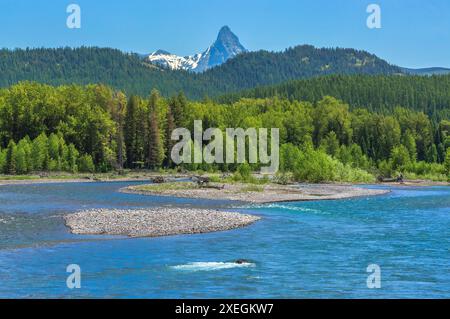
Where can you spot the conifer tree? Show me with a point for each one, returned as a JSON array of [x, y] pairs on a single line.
[[155, 144], [21, 160], [119, 119], [155, 148], [131, 132], [11, 155], [179, 106], [2, 160], [170, 127], [39, 152], [72, 158]]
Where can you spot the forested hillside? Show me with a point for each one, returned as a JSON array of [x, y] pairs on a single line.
[[261, 68], [96, 128], [130, 74], [430, 95], [93, 65]]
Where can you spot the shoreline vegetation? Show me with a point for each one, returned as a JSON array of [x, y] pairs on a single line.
[[98, 129], [171, 175]]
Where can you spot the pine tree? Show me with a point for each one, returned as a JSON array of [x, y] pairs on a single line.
[[53, 146], [39, 152], [25, 146], [130, 131], [11, 158], [2, 160], [63, 155], [21, 160], [53, 153], [72, 158], [432, 154], [178, 105], [155, 145], [170, 127], [155, 148]]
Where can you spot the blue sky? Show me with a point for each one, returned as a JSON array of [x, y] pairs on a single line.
[[414, 33]]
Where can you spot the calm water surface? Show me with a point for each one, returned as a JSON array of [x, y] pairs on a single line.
[[298, 250]]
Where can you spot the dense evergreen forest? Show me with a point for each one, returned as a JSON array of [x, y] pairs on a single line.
[[428, 94], [95, 128], [129, 73]]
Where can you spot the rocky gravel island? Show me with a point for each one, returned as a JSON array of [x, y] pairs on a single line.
[[155, 222]]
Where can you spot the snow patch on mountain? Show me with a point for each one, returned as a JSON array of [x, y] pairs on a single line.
[[172, 61]]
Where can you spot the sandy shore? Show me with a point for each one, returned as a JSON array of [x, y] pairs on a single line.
[[265, 194], [155, 222]]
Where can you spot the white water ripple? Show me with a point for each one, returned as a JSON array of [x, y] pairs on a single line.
[[211, 266], [287, 207]]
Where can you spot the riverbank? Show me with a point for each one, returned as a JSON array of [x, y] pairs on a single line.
[[416, 183], [155, 222], [86, 178], [145, 175], [256, 194]]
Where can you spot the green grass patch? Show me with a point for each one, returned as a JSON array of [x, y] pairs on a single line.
[[252, 188], [175, 186], [19, 177]]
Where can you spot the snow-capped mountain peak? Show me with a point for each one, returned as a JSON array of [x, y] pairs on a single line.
[[225, 47]]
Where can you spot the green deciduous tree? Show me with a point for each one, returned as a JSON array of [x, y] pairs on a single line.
[[399, 157], [86, 164], [447, 162]]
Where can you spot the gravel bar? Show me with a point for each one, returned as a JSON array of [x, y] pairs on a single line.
[[269, 194], [155, 222]]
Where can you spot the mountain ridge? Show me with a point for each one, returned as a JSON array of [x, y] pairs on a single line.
[[427, 71], [131, 73]]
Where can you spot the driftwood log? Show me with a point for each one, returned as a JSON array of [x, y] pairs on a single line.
[[201, 180], [158, 180], [204, 182], [398, 179]]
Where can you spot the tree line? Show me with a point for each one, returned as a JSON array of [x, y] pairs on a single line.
[[43, 154], [96, 128]]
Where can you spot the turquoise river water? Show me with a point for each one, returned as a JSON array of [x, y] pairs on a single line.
[[298, 250]]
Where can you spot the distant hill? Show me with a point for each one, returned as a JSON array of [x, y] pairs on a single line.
[[253, 69], [427, 71], [129, 72]]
